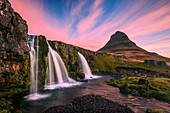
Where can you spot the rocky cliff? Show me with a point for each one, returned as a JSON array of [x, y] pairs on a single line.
[[14, 53], [120, 44], [14, 58]]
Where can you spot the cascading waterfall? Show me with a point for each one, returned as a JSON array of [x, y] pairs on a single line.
[[84, 67], [34, 65], [57, 73], [34, 54]]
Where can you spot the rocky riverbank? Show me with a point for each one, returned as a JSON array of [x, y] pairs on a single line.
[[142, 86], [90, 104]]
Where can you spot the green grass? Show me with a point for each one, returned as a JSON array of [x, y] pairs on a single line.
[[108, 63], [160, 86]]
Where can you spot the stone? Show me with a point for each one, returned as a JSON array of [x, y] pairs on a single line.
[[162, 63], [124, 89], [80, 75], [142, 81], [90, 104], [13, 29], [134, 92], [168, 71], [154, 62]]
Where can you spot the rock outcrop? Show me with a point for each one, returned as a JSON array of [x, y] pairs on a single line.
[[154, 62], [14, 53]]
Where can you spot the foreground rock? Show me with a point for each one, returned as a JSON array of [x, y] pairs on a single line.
[[90, 104]]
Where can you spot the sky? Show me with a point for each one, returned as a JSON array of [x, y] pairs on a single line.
[[90, 23]]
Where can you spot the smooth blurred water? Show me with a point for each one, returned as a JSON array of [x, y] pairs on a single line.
[[84, 67], [64, 96], [56, 70]]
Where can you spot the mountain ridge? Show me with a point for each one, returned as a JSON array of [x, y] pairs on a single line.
[[120, 44]]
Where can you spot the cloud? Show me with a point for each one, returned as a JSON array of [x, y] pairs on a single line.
[[39, 22], [89, 24]]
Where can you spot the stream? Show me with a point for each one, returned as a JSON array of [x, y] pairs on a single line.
[[97, 87]]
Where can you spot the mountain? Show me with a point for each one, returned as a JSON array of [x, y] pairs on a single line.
[[119, 44]]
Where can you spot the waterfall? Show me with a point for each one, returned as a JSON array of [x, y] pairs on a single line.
[[57, 73], [84, 67], [34, 64], [34, 54]]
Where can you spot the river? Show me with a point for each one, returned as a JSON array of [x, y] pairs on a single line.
[[96, 87]]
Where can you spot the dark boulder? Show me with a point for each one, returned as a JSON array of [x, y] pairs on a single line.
[[142, 81], [77, 76], [124, 89], [134, 92], [80, 75], [168, 71]]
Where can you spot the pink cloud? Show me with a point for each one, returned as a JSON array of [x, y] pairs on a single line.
[[39, 22], [151, 23], [88, 23], [76, 10], [143, 23]]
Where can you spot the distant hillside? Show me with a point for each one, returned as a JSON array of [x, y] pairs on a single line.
[[120, 44]]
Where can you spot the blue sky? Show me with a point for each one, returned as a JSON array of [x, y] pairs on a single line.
[[90, 23]]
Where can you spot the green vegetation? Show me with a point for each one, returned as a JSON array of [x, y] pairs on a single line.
[[158, 88], [43, 53], [101, 62], [9, 101], [153, 111], [109, 64]]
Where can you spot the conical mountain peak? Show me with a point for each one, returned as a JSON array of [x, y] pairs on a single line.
[[119, 42], [119, 35]]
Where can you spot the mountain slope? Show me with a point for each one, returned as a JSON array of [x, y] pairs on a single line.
[[120, 44]]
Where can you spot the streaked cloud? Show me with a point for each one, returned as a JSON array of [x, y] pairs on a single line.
[[90, 23]]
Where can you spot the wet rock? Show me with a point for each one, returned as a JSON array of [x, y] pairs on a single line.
[[80, 75], [77, 76], [134, 92], [124, 89], [90, 104]]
